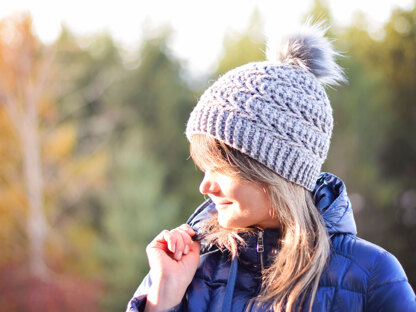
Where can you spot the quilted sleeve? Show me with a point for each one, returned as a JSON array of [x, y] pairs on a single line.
[[138, 302], [388, 288]]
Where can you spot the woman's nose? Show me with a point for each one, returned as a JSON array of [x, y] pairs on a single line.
[[208, 185]]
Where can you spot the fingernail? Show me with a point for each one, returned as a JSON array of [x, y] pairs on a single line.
[[173, 248], [178, 255], [186, 250]]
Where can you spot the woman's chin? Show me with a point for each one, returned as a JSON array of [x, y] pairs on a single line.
[[226, 222], [223, 221]]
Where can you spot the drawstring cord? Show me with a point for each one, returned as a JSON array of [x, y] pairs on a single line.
[[229, 290]]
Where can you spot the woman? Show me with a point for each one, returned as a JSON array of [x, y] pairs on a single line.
[[275, 234]]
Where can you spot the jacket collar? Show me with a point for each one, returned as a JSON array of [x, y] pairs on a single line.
[[330, 197]]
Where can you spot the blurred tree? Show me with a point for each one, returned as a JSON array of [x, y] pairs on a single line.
[[397, 52], [87, 72], [42, 169], [25, 69], [157, 101], [136, 209]]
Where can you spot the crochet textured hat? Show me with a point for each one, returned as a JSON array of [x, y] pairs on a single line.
[[276, 111]]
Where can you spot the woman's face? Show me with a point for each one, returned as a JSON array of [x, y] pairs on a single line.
[[239, 203]]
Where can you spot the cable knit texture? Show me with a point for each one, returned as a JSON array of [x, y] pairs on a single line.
[[277, 114]]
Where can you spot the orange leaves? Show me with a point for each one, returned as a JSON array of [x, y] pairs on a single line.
[[74, 178], [19, 56], [59, 144]]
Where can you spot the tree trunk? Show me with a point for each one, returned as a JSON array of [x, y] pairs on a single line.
[[25, 70], [36, 222]]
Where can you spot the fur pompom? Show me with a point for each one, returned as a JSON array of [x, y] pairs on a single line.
[[311, 50]]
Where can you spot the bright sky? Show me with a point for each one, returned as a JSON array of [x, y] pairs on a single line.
[[199, 25]]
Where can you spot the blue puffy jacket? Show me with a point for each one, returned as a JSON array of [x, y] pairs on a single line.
[[359, 276]]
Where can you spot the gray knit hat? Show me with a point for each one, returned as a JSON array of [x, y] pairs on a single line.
[[276, 111]]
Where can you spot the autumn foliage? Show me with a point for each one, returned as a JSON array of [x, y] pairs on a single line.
[[38, 159]]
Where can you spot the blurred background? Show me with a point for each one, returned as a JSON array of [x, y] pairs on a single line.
[[94, 162]]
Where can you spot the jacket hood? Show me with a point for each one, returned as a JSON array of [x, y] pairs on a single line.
[[330, 197]]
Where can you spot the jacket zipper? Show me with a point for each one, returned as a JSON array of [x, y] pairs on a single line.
[[260, 251], [260, 248]]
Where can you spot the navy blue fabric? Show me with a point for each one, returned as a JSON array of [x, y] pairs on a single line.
[[359, 276], [229, 290]]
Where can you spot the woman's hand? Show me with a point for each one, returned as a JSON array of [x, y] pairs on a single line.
[[173, 259]]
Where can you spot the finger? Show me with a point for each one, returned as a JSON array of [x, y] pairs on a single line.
[[172, 240], [195, 247], [180, 243], [165, 241], [186, 240], [188, 229], [162, 242]]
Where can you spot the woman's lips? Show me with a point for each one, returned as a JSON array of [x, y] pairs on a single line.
[[222, 204]]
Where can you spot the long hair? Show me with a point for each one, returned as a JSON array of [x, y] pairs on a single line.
[[304, 243]]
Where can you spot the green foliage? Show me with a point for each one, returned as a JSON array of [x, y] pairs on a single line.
[[397, 53], [159, 103], [135, 211]]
